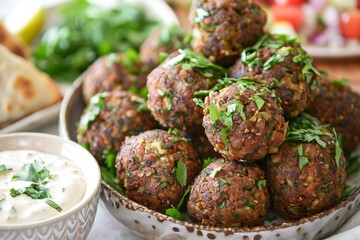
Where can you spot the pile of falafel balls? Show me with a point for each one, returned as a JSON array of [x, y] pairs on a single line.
[[236, 121]]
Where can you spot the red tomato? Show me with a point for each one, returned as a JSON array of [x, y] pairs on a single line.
[[288, 2], [350, 23], [291, 14]]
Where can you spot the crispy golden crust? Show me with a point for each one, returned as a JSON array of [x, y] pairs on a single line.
[[147, 168], [262, 131], [318, 185], [228, 194], [222, 29], [340, 107]]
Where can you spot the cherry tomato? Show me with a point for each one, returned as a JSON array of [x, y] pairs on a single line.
[[350, 23], [291, 14], [288, 2]]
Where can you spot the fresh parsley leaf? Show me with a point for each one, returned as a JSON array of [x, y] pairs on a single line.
[[109, 156], [338, 150], [200, 14], [278, 57], [52, 204], [110, 178], [303, 160], [3, 168], [348, 191], [199, 102], [96, 104], [199, 63], [258, 100], [207, 161], [181, 173], [215, 171], [215, 114], [340, 82], [261, 184], [270, 218], [167, 97], [174, 213], [39, 175]]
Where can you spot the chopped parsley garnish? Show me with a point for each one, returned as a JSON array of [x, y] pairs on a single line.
[[172, 35], [109, 156], [207, 161], [200, 14], [191, 61], [94, 108], [258, 100], [348, 191], [39, 175], [262, 183], [303, 160], [306, 128], [109, 177], [3, 168], [215, 171], [167, 97], [340, 82], [181, 173], [249, 56], [175, 211], [199, 102]]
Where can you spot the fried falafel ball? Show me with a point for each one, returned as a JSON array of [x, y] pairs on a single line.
[[222, 29], [109, 118], [171, 89], [113, 72], [306, 177], [339, 106], [149, 165], [244, 121], [166, 39], [229, 194], [282, 64]]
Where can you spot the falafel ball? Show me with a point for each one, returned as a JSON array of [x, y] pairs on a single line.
[[166, 39], [229, 194], [306, 177], [222, 29], [282, 64], [339, 106], [244, 121], [109, 118], [171, 89], [113, 72], [155, 167]]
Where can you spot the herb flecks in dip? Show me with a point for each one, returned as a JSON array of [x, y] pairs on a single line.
[[36, 186]]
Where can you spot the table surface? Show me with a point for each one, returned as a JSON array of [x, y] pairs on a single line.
[[106, 227]]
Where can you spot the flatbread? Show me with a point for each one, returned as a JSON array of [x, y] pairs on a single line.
[[12, 42], [23, 88]]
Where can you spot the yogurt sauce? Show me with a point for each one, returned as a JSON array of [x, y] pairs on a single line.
[[66, 186]]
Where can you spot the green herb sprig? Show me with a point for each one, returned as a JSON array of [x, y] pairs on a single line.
[[39, 175], [174, 212], [191, 61], [3, 168], [181, 173], [97, 104], [306, 128]]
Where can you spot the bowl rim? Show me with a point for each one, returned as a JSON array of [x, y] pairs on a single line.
[[243, 230], [89, 194]]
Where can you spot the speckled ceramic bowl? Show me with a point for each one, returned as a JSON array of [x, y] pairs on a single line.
[[154, 225], [74, 223]]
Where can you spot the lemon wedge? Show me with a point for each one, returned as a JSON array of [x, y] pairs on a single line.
[[26, 20]]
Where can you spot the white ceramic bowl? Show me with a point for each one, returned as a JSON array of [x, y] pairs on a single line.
[[74, 223]]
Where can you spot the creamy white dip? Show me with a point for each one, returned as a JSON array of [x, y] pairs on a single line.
[[66, 186]]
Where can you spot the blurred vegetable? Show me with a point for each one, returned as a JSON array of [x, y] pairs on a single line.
[[291, 14], [350, 23], [88, 32], [288, 2]]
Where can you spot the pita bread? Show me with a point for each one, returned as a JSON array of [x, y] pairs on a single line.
[[12, 42], [23, 88]]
